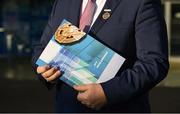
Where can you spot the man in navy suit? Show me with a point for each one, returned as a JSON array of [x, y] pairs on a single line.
[[136, 30]]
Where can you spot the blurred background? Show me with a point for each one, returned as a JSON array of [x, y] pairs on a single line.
[[22, 23]]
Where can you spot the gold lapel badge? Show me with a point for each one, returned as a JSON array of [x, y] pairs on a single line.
[[106, 14], [68, 33]]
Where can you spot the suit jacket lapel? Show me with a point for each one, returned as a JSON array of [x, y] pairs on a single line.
[[74, 12], [110, 4]]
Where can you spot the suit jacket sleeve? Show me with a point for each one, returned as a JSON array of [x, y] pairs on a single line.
[[39, 46], [151, 65]]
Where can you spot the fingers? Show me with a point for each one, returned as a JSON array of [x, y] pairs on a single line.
[[42, 69], [81, 88], [88, 105], [49, 72], [54, 76], [91, 95], [82, 97], [83, 92]]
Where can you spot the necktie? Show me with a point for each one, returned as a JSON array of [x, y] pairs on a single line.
[[87, 16]]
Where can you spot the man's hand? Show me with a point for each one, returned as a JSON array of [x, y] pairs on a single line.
[[91, 95], [48, 73]]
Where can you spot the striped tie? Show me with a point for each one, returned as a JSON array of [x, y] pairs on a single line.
[[87, 16]]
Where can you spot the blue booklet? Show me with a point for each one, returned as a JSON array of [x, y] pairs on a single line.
[[82, 58]]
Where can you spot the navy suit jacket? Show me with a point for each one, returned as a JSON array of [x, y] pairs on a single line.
[[136, 29]]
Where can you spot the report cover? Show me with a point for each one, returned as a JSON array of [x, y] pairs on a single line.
[[82, 58]]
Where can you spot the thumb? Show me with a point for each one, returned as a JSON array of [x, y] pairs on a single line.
[[42, 69], [81, 88]]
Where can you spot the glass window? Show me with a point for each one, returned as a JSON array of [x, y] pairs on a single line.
[[23, 21], [175, 30]]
